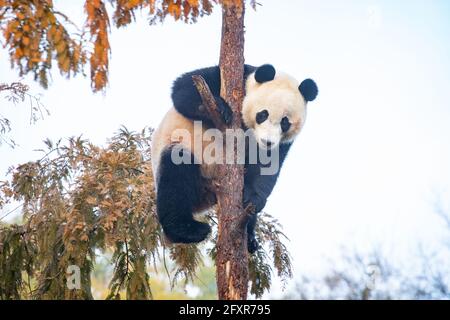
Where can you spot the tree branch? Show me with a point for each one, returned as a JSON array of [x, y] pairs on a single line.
[[208, 101]]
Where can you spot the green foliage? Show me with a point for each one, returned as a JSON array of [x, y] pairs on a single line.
[[79, 200], [16, 257]]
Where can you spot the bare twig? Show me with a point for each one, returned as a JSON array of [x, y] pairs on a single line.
[[11, 211]]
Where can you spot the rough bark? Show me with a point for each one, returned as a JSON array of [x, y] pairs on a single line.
[[232, 258]]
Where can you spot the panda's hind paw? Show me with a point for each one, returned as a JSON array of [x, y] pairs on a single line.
[[187, 232]]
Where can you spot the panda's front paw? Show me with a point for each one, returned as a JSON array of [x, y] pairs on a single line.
[[251, 198], [225, 110], [252, 244]]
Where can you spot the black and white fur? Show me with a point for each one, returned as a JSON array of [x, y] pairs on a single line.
[[274, 107]]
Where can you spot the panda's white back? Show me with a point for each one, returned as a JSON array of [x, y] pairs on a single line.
[[175, 129]]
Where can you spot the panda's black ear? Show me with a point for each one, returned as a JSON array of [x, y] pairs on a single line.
[[308, 89], [265, 73]]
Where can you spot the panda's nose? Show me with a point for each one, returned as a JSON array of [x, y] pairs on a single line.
[[268, 143]]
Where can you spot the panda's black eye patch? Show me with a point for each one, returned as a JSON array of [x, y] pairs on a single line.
[[262, 116], [285, 124]]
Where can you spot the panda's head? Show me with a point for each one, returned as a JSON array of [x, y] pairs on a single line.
[[275, 105]]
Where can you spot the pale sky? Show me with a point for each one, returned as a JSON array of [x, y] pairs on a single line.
[[375, 148]]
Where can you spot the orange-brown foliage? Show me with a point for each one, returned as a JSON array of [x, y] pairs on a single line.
[[37, 35]]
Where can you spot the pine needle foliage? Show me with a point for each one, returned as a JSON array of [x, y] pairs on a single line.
[[79, 200]]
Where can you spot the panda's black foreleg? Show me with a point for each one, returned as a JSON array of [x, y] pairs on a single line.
[[252, 243], [224, 109], [178, 192], [251, 198], [199, 112], [187, 100]]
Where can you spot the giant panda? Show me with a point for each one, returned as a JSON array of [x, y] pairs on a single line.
[[274, 109]]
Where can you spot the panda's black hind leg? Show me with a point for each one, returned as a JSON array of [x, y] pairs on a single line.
[[177, 194]]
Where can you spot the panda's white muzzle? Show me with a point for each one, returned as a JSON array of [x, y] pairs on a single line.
[[268, 135]]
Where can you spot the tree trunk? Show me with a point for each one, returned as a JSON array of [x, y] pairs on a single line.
[[232, 259]]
